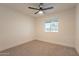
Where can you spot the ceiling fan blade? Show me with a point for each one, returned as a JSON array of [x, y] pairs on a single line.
[[47, 8], [36, 12], [33, 8]]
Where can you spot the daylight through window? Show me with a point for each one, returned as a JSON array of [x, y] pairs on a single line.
[[51, 25]]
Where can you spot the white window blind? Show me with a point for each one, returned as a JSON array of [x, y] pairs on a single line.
[[52, 25]]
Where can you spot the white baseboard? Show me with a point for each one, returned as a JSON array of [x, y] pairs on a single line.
[[15, 45], [58, 43]]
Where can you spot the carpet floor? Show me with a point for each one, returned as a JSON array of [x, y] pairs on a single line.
[[39, 48]]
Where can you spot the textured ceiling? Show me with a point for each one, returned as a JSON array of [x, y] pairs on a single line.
[[23, 7]]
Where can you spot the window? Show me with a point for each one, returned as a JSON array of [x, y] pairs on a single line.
[[51, 25]]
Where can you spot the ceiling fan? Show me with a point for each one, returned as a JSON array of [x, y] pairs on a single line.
[[41, 8]]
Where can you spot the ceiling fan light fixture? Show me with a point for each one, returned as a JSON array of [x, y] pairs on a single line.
[[40, 12]]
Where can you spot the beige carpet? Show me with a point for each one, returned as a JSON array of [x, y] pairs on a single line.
[[39, 48]]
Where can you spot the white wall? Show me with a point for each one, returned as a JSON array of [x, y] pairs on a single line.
[[66, 34], [15, 28], [77, 29]]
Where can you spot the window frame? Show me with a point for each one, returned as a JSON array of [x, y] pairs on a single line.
[[52, 21]]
